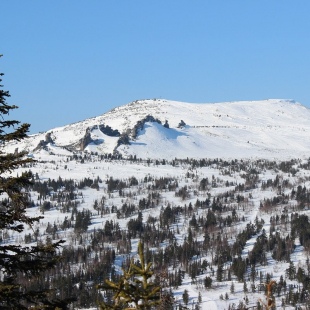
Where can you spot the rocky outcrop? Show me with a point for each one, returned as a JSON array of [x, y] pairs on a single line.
[[166, 125], [48, 138], [86, 139], [107, 130], [181, 124], [140, 124], [43, 143], [123, 140]]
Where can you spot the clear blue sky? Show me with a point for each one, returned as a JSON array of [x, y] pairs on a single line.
[[65, 61]]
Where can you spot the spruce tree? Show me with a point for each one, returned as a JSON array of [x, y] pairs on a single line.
[[19, 262], [134, 290], [185, 297]]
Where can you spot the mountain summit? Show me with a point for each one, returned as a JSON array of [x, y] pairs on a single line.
[[158, 128]]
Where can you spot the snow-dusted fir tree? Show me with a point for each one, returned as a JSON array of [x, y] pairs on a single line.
[[19, 263]]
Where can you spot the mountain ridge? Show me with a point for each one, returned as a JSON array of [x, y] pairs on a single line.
[[267, 128]]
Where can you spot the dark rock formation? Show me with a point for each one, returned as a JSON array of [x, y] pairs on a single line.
[[166, 125], [43, 143], [107, 130], [123, 140], [140, 124], [48, 138], [181, 124], [86, 139]]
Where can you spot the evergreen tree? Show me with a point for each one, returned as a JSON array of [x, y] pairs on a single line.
[[219, 273], [208, 282], [199, 298], [18, 262], [245, 287], [232, 288], [134, 290], [291, 271], [185, 297]]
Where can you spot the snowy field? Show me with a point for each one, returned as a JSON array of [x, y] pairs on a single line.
[[220, 295]]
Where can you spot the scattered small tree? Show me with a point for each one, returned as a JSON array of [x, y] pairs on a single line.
[[232, 288], [185, 297], [199, 298], [208, 282], [245, 287]]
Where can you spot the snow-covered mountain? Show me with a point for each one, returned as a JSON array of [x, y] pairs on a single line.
[[166, 129]]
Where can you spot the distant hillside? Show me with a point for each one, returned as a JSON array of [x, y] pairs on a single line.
[[166, 129]]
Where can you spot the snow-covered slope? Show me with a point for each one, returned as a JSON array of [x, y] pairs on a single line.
[[265, 129], [239, 192]]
